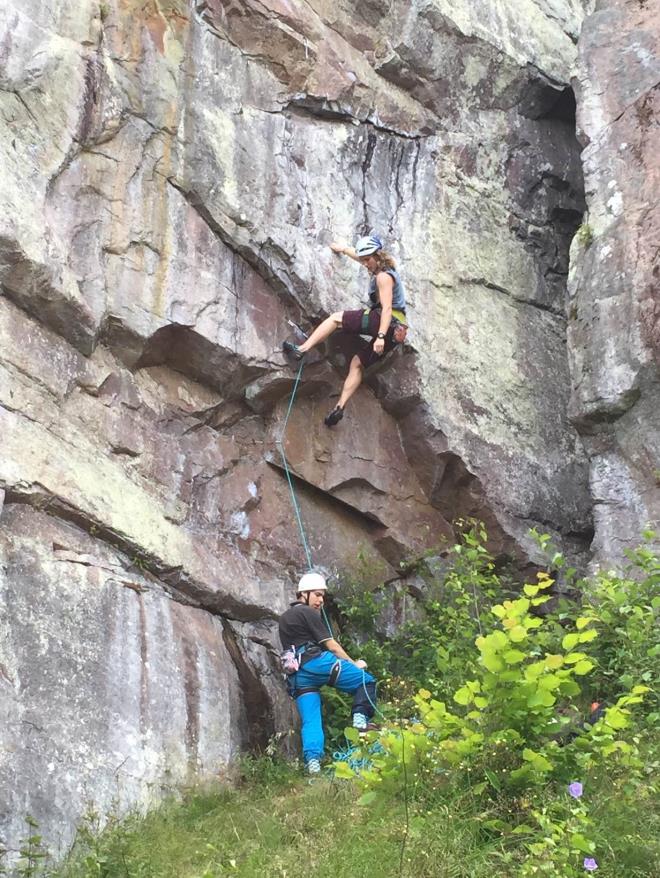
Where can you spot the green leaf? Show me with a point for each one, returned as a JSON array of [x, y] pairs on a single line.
[[463, 695], [493, 779], [492, 662], [549, 682], [537, 760], [534, 670], [343, 769], [582, 844], [586, 636], [513, 656], [531, 590], [498, 825], [582, 621], [553, 661], [570, 640], [583, 667], [517, 634], [367, 798], [615, 718], [572, 657], [353, 735], [569, 687], [496, 641], [541, 698], [523, 829]]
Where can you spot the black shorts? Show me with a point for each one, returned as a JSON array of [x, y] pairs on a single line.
[[352, 321]]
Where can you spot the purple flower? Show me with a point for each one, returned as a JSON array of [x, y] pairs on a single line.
[[590, 864], [575, 789]]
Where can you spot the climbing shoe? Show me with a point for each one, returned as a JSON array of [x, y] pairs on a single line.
[[363, 724], [292, 350], [313, 767], [370, 727], [334, 417]]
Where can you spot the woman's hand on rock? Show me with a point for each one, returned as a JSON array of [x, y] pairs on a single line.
[[379, 346], [338, 248]]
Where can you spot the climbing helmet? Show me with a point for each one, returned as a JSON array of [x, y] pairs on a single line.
[[367, 246], [312, 582]]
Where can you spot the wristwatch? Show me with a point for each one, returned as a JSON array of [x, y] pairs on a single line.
[[381, 335]]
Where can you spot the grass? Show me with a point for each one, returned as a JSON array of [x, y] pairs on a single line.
[[276, 824], [283, 826]]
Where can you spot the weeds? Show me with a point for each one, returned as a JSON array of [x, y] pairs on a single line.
[[585, 235]]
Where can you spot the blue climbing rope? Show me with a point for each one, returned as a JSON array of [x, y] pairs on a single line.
[[296, 508], [280, 445]]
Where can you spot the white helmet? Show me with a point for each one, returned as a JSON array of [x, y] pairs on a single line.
[[312, 582], [367, 246]]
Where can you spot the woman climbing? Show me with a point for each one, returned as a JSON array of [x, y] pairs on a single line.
[[384, 320]]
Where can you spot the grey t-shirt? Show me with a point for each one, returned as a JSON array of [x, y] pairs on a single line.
[[301, 624]]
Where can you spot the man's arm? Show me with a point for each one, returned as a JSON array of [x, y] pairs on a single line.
[[336, 649]]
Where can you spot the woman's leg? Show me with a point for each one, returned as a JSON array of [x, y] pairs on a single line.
[[322, 331], [352, 382]]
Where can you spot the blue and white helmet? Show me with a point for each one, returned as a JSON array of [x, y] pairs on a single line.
[[367, 246]]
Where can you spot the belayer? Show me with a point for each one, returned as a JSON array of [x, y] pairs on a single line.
[[312, 658], [384, 320]]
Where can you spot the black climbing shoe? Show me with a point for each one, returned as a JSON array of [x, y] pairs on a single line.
[[334, 417], [292, 350], [370, 727]]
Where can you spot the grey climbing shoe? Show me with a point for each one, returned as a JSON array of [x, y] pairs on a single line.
[[334, 417], [313, 767], [292, 350]]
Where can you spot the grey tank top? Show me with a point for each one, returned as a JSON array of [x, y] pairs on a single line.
[[398, 293]]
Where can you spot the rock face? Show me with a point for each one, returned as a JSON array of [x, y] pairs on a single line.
[[174, 172], [614, 326]]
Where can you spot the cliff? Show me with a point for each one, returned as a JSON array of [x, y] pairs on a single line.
[[174, 173]]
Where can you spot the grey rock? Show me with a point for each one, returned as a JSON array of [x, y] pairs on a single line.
[[173, 177]]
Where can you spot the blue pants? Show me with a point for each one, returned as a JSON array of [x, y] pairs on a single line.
[[310, 678]]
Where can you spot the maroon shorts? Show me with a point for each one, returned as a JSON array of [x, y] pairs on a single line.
[[351, 321]]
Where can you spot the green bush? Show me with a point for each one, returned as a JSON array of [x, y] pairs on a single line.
[[432, 652], [517, 731]]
